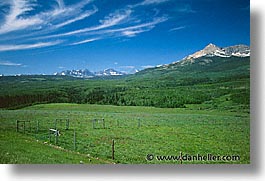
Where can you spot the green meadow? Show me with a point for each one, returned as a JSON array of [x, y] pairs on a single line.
[[136, 131], [177, 110]]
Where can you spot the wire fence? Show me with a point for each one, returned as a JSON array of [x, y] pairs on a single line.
[[93, 133]]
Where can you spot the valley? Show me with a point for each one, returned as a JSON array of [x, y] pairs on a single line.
[[197, 105]]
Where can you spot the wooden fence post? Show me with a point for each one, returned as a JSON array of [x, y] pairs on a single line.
[[180, 153], [67, 124], [17, 125], [113, 149]]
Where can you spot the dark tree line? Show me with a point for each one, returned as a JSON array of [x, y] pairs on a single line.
[[18, 101], [122, 96]]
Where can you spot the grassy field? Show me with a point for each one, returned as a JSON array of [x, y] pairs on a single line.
[[137, 131], [22, 149]]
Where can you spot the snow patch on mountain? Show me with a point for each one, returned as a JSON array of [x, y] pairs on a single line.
[[212, 50], [87, 74]]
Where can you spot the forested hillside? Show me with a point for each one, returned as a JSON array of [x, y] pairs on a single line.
[[210, 81]]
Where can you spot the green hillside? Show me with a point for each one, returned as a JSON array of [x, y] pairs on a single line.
[[189, 107], [213, 83]]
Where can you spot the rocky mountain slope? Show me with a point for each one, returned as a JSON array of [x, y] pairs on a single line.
[[88, 74]]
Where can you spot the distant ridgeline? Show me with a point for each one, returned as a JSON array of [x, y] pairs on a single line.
[[87, 74], [212, 78]]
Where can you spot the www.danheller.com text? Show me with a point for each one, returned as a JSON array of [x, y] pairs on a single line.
[[193, 158]]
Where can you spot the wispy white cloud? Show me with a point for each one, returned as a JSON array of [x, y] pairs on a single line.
[[125, 22], [148, 2], [64, 15], [186, 8], [52, 19], [109, 21], [132, 33], [60, 4], [139, 28], [8, 63], [13, 21], [116, 18], [85, 41], [178, 28], [28, 46], [82, 16]]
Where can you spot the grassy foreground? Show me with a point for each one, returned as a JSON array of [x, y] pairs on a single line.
[[137, 132], [21, 149]]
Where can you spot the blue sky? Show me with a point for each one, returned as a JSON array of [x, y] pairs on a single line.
[[43, 37]]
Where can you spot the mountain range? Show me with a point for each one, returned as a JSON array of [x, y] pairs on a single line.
[[213, 50], [88, 74], [212, 78], [203, 57]]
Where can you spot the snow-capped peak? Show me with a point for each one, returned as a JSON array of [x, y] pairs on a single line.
[[209, 50], [108, 72], [238, 50], [213, 50]]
